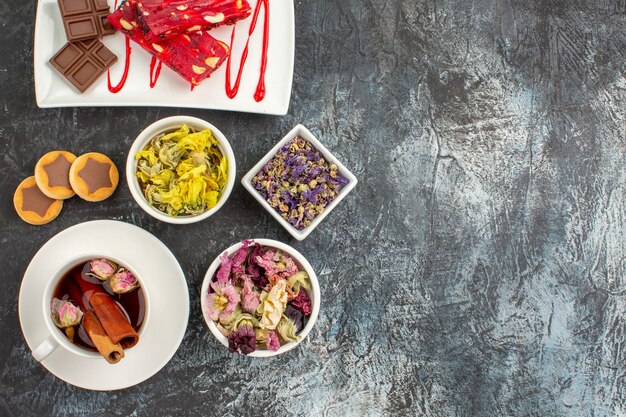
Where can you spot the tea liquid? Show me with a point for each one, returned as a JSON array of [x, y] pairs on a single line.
[[132, 303]]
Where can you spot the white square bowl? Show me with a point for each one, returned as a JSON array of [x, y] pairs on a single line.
[[304, 133]]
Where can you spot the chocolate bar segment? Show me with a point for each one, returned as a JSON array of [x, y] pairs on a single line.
[[87, 44], [82, 63], [66, 57], [80, 27], [85, 19], [104, 26], [101, 5], [84, 73], [75, 7], [104, 55]]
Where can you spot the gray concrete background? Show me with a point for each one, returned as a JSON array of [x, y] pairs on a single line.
[[478, 269]]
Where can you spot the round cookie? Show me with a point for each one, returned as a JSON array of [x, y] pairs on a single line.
[[33, 206], [93, 176], [52, 174]]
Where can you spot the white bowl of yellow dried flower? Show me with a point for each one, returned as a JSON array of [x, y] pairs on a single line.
[[170, 198], [260, 298]]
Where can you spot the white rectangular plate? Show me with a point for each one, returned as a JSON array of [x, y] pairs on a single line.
[[52, 90]]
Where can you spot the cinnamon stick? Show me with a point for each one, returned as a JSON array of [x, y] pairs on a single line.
[[112, 352], [109, 314], [77, 295]]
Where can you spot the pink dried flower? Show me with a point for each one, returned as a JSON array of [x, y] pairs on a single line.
[[223, 301], [123, 281], [272, 341], [277, 264], [240, 256], [223, 274], [65, 314], [290, 266], [250, 298], [268, 262], [102, 268]]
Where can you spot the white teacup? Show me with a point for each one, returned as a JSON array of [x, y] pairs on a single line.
[[57, 338]]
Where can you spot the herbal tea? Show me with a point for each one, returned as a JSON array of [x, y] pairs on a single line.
[[99, 306]]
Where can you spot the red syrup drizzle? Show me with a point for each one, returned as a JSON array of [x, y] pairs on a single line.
[[120, 85], [259, 93], [232, 90], [154, 75]]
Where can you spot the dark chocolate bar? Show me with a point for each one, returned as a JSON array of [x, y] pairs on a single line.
[[83, 62], [85, 19]]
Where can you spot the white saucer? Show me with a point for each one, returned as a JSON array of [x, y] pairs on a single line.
[[169, 300]]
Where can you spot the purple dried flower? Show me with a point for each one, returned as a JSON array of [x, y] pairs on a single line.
[[291, 202], [296, 316], [243, 340], [254, 270], [295, 177], [312, 194], [298, 170]]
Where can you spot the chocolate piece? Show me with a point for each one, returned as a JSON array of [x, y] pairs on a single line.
[[80, 28], [36, 201], [101, 5], [58, 172], [67, 56], [82, 63], [104, 27], [85, 19], [74, 7], [96, 175]]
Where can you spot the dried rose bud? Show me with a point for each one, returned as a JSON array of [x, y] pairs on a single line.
[[65, 314], [123, 281], [102, 269]]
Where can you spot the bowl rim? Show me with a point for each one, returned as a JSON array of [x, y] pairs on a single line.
[[159, 127], [300, 259], [300, 130]]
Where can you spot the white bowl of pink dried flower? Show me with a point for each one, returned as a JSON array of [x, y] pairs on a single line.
[[260, 298]]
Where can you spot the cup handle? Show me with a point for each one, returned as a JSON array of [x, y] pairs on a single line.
[[45, 348]]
